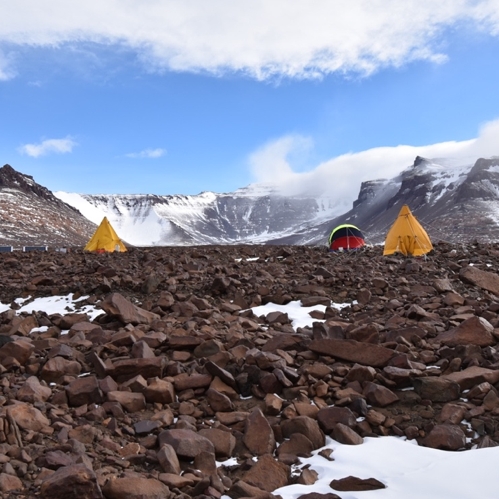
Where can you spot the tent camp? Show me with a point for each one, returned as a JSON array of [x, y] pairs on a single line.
[[346, 237], [105, 239], [407, 236]]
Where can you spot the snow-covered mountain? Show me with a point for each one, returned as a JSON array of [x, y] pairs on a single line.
[[255, 214], [454, 201]]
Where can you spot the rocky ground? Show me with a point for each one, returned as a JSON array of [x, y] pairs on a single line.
[[178, 373]]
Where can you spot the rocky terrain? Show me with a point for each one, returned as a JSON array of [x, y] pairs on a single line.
[[30, 215], [178, 373]]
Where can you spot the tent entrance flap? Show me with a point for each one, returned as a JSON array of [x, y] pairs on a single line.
[[105, 239]]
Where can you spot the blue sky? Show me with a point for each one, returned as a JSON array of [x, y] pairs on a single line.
[[184, 96]]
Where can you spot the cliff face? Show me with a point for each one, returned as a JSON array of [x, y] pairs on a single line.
[[31, 215]]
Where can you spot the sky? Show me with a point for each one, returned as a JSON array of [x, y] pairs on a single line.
[[186, 96], [406, 469]]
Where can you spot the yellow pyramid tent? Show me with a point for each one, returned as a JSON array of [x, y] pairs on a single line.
[[105, 239], [407, 236]]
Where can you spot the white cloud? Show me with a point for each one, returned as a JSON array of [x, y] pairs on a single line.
[[262, 38], [57, 146], [147, 153], [343, 174], [7, 71]]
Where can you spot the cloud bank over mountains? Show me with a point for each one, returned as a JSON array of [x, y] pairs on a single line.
[[342, 175], [260, 38]]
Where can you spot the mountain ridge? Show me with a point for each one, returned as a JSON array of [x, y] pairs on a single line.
[[455, 202]]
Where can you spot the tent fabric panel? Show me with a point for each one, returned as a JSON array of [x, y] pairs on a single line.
[[347, 242], [343, 230], [407, 236], [105, 238]]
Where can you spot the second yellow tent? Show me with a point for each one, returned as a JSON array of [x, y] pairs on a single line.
[[407, 236], [105, 239]]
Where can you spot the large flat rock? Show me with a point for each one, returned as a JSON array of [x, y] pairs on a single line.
[[353, 351]]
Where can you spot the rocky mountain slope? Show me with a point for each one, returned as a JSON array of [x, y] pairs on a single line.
[[255, 214], [454, 202], [457, 203], [31, 215], [178, 372]]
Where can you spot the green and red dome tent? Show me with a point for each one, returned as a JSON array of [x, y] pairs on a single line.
[[346, 237]]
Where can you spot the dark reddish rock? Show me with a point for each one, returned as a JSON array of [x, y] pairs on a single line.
[[354, 484], [267, 474], [481, 278], [168, 460], [33, 391], [159, 391], [258, 435], [186, 443], [20, 350], [218, 401], [76, 480], [317, 495], [223, 441], [445, 437], [345, 435], [329, 417], [437, 389], [132, 402], [118, 306], [297, 445], [353, 351], [28, 417], [125, 369], [135, 488], [473, 376], [473, 331], [379, 395], [306, 426], [84, 391]]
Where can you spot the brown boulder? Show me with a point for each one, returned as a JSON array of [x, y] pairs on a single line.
[[10, 483], [33, 391], [306, 426], [168, 459], [267, 474], [29, 418], [159, 390], [472, 376], [480, 278], [297, 445], [379, 395], [117, 305], [473, 331], [346, 435], [135, 488], [186, 443], [354, 484], [258, 435], [445, 437], [329, 417], [132, 402], [71, 481], [437, 389], [353, 351], [55, 369], [84, 391], [19, 349]]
